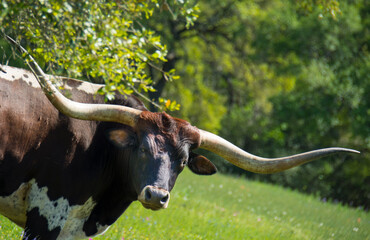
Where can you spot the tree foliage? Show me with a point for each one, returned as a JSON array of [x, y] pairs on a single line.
[[101, 41]]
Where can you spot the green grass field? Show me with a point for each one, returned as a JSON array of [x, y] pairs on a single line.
[[224, 207]]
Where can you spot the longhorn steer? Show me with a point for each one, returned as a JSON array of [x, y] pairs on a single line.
[[66, 178]]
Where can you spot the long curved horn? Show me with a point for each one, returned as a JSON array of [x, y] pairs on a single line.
[[252, 163], [83, 111]]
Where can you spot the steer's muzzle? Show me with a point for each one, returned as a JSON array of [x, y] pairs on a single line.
[[154, 198]]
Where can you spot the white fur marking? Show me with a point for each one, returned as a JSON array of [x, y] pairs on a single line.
[[85, 87], [14, 206], [54, 211], [77, 216], [59, 213], [14, 74]]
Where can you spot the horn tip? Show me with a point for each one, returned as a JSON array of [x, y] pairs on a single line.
[[355, 151], [346, 150]]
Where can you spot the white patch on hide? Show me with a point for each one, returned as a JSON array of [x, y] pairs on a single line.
[[55, 212], [14, 74], [58, 213], [84, 86], [14, 206], [77, 216]]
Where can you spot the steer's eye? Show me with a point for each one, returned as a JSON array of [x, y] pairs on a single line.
[[142, 150]]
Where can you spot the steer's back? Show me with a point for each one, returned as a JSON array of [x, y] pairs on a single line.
[[27, 117]]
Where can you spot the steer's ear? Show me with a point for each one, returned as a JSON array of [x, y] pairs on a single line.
[[201, 165], [121, 137]]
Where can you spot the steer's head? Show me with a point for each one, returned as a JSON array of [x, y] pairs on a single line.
[[160, 148]]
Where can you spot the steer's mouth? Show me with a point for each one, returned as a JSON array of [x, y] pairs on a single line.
[[151, 207], [154, 198]]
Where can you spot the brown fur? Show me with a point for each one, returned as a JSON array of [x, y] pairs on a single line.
[[175, 129]]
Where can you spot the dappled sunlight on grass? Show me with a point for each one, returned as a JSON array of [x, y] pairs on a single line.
[[8, 230]]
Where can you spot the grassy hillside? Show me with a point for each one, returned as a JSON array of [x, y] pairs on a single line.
[[224, 207]]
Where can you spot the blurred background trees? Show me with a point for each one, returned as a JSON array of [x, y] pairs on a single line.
[[274, 77]]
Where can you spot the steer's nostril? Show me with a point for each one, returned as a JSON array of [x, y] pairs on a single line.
[[165, 199], [148, 195]]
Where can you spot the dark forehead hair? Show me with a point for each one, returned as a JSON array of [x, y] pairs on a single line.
[[177, 131]]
